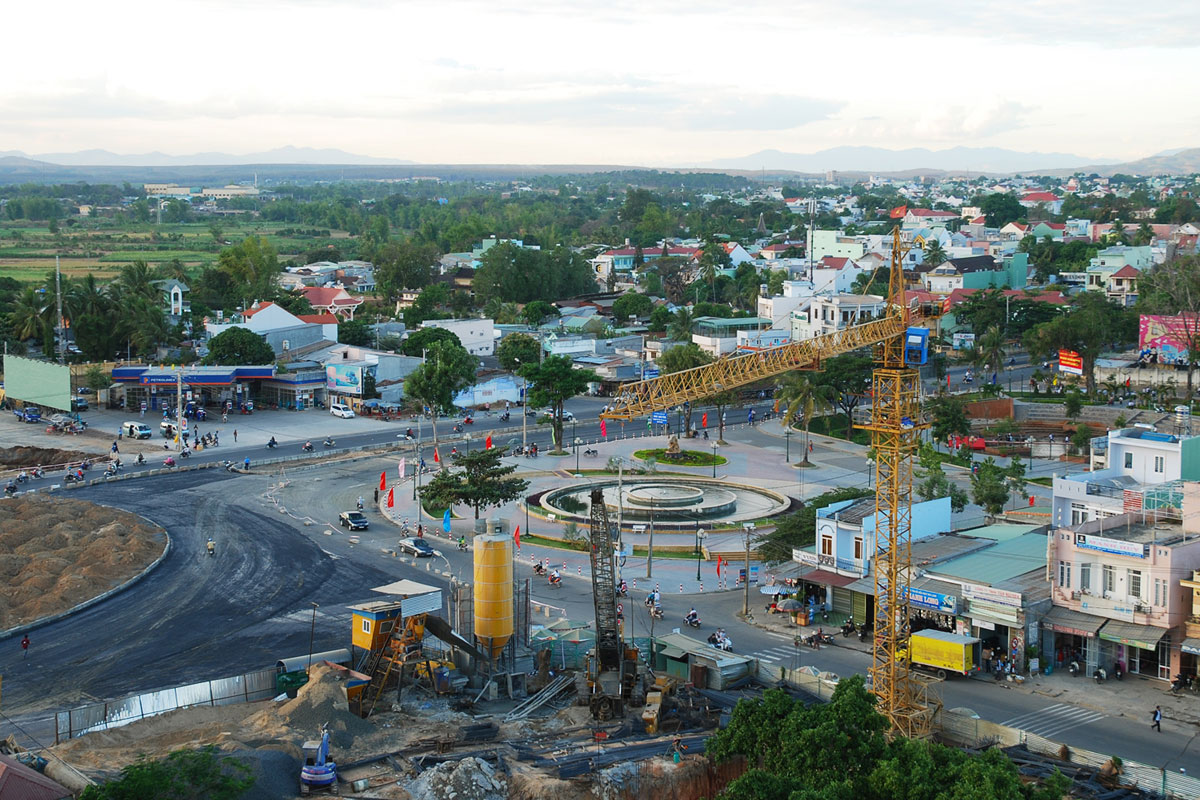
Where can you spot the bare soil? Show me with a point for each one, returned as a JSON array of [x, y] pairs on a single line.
[[24, 457], [56, 553]]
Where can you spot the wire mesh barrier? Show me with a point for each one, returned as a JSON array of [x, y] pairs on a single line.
[[259, 685]]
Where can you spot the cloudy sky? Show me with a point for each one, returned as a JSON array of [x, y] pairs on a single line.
[[651, 82]]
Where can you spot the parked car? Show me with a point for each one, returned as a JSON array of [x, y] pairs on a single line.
[[136, 430], [28, 414], [340, 410], [79, 404], [418, 547], [354, 520]]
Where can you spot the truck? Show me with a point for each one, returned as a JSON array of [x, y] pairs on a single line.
[[28, 414], [944, 653]]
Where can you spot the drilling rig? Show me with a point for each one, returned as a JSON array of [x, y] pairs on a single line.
[[896, 423], [612, 667]]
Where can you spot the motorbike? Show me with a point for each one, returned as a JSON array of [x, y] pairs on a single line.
[[468, 421], [169, 462], [408, 434], [555, 581], [458, 428], [539, 569], [359, 504], [1100, 675], [849, 627], [505, 417], [656, 612], [141, 459], [1119, 671], [307, 447], [329, 443], [692, 621], [229, 466], [590, 452], [1074, 669], [72, 477], [271, 445], [10, 489], [720, 642], [184, 453], [623, 590], [22, 478], [212, 548], [462, 546], [37, 473], [865, 632]]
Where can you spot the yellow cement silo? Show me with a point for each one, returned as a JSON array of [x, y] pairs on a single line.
[[493, 590]]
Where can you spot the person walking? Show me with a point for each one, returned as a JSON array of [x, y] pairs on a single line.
[[115, 449], [1157, 719], [25, 646], [246, 464], [235, 435]]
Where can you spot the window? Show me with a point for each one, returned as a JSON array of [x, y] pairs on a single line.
[[1160, 592], [1110, 578], [366, 626], [1133, 579], [1064, 574], [826, 545], [1158, 463], [1129, 461], [858, 548], [1085, 576]]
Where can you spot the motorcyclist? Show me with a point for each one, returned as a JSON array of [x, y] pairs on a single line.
[[360, 502], [329, 441], [462, 543], [555, 577], [10, 488], [692, 617], [308, 447], [212, 547], [271, 442], [624, 590]]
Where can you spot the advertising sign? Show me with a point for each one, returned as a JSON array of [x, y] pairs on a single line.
[[1115, 546], [659, 418], [1167, 337], [344, 378], [963, 341], [973, 591], [1070, 362], [947, 604], [804, 557]]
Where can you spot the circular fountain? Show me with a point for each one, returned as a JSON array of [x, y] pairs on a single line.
[[682, 503]]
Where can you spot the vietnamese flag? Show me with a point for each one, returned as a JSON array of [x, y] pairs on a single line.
[[488, 444], [383, 480], [436, 458], [718, 566], [391, 498], [603, 428], [517, 537], [704, 420]]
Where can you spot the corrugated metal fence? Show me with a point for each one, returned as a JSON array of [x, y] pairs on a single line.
[[259, 685]]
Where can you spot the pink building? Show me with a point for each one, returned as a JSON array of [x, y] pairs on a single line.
[[1116, 589]]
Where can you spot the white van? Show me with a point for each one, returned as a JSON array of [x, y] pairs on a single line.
[[340, 410], [136, 430]]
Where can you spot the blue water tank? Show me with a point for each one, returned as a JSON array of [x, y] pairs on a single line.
[[916, 346]]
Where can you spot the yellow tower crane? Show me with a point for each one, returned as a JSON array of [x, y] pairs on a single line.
[[896, 423]]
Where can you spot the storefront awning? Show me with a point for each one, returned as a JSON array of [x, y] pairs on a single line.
[[827, 578], [1191, 646], [1064, 620], [673, 652], [1143, 636]]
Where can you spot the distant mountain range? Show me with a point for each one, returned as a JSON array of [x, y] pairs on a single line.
[[280, 155], [879, 159]]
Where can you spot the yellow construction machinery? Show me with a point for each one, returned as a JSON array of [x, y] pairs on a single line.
[[896, 423]]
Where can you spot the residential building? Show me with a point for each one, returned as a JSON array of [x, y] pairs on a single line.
[[1144, 468], [478, 336], [173, 296], [829, 313], [1111, 260], [1015, 230], [1054, 230], [1047, 200], [834, 274], [837, 245], [926, 217], [1122, 286], [718, 336], [977, 272], [334, 300], [779, 308]]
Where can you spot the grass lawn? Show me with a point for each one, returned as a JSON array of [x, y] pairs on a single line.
[[835, 426], [685, 458]]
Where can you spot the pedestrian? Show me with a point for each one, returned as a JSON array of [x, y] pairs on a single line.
[[224, 417], [115, 449], [1157, 717], [25, 646], [377, 495], [235, 435], [246, 463]]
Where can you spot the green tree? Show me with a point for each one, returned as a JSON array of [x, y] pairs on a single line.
[[1072, 405], [989, 351], [424, 338], [935, 254], [934, 484], [203, 774], [516, 349], [660, 319], [446, 371], [477, 479], [1092, 325], [355, 332], [632, 304], [846, 379], [673, 271], [1173, 288], [948, 417], [251, 267], [97, 378], [239, 346], [801, 397], [1000, 209], [680, 329], [989, 486], [536, 312], [552, 383], [401, 265], [294, 303], [681, 357]]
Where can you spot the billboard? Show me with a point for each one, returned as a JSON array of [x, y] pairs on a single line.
[[39, 383], [1070, 361], [1167, 337], [344, 378]]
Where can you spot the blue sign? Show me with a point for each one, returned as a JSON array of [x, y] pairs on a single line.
[[652, 372], [446, 521], [946, 604], [659, 418]]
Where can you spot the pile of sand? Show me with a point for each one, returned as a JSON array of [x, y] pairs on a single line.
[[322, 700], [19, 457], [56, 553]]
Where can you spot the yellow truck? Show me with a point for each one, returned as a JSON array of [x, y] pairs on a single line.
[[944, 653]]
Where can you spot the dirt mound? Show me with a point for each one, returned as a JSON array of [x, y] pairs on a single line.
[[18, 457], [468, 779], [321, 700], [56, 553]]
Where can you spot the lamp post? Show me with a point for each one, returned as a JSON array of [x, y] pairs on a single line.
[[524, 407], [578, 442], [749, 528], [714, 449], [870, 464], [311, 633], [701, 535], [787, 446]]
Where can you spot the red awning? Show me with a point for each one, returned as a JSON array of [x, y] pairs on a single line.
[[828, 578]]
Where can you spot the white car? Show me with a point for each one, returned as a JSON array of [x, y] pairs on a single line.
[[340, 410]]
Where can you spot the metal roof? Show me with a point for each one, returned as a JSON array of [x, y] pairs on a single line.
[[938, 548], [1001, 531], [20, 782], [1001, 562]]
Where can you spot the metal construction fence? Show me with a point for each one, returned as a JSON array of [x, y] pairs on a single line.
[[258, 685]]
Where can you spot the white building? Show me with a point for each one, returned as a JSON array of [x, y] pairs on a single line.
[[478, 336], [779, 308], [838, 245]]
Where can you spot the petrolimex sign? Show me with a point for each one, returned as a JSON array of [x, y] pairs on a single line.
[[1114, 546]]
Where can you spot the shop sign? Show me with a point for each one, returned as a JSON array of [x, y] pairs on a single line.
[[804, 557], [972, 591], [984, 624], [1005, 615], [1115, 546], [946, 604]]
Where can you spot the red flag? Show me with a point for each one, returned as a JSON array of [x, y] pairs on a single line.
[[704, 420], [391, 498], [436, 458], [517, 537], [488, 443], [718, 566], [383, 480], [603, 428]]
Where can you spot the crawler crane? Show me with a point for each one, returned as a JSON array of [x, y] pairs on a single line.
[[896, 423]]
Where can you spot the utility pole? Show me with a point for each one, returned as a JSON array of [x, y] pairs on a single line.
[[179, 408], [749, 529], [650, 548], [58, 326]]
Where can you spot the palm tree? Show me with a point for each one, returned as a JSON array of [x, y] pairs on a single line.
[[934, 253], [137, 280], [680, 329], [800, 395], [32, 316], [708, 274], [989, 350]]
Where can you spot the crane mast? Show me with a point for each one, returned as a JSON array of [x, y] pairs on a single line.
[[895, 424]]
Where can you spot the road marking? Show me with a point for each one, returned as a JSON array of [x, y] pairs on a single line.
[[1054, 720]]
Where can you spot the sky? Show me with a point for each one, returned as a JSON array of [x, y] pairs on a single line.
[[638, 82]]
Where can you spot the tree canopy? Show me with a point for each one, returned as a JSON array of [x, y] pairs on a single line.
[[424, 338], [553, 382], [239, 346], [403, 265], [516, 349], [520, 275], [1092, 325], [477, 479], [447, 370], [681, 357]]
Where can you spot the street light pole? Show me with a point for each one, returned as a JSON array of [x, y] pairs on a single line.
[[787, 446], [311, 633], [699, 548], [577, 440], [749, 529], [714, 449]]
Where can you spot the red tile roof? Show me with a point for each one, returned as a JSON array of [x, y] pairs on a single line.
[[319, 319], [980, 220], [1054, 298], [834, 262], [651, 252], [1127, 272], [1055, 226], [929, 212], [250, 312], [20, 782], [320, 296], [1040, 197]]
